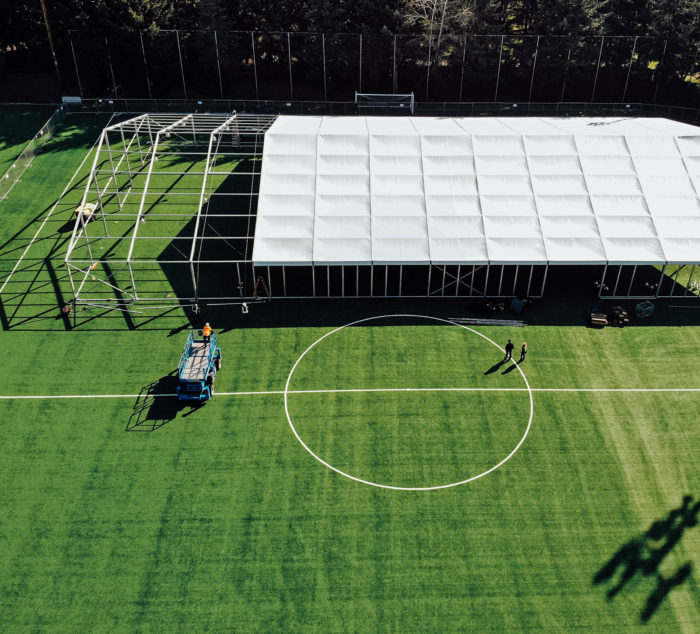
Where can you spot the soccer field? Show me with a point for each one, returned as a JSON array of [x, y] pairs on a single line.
[[288, 502]]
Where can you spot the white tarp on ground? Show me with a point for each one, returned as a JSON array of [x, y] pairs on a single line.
[[530, 190]]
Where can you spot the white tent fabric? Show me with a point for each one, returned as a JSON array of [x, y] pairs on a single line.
[[529, 190]]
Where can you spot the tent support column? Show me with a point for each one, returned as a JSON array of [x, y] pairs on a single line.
[[269, 284], [690, 279], [500, 279], [430, 271], [529, 280], [661, 279], [401, 278], [544, 279], [328, 279], [515, 278], [371, 280], [617, 280], [602, 281], [313, 281], [457, 282], [284, 281], [471, 286], [486, 281], [357, 281], [133, 281], [629, 289], [444, 272], [386, 281], [194, 281], [342, 281]]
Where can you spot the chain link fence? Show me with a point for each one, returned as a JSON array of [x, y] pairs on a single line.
[[206, 65], [24, 160], [436, 109]]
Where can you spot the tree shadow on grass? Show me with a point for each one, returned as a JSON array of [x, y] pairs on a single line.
[[157, 404], [644, 554]]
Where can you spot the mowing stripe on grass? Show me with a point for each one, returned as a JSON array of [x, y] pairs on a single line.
[[8, 397]]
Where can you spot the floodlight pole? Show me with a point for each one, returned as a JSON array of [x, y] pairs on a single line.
[[51, 45]]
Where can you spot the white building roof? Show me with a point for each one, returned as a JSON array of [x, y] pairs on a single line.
[[530, 190]]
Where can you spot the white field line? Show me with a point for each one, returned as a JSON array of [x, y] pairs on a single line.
[[48, 215], [377, 389]]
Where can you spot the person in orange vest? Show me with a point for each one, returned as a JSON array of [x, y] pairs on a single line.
[[206, 332]]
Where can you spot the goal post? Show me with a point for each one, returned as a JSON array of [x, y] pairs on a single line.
[[384, 101]]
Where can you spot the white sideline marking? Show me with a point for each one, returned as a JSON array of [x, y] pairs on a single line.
[[371, 389], [48, 215]]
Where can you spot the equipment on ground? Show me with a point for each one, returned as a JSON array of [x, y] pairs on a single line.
[[598, 319], [644, 309], [475, 321], [85, 212], [618, 317], [199, 364]]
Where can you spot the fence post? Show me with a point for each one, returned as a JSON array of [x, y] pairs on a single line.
[[182, 69], [464, 57], [218, 64], [629, 68], [255, 67], [534, 65], [111, 69], [595, 79], [145, 66], [360, 65], [659, 68], [394, 81], [323, 46], [498, 72], [75, 63], [566, 72]]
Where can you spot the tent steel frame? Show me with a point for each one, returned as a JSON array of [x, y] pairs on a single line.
[[118, 168]]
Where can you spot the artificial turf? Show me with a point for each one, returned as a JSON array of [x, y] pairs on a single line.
[[135, 514]]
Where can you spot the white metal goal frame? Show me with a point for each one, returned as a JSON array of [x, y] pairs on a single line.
[[168, 211], [385, 101]]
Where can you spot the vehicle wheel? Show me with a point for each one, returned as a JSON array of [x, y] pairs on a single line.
[[210, 383]]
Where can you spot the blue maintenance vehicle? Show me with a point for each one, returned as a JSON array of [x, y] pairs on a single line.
[[199, 364]]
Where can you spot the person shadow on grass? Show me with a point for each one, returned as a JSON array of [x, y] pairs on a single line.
[[495, 367]]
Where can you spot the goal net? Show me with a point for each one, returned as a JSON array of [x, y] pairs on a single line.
[[384, 101]]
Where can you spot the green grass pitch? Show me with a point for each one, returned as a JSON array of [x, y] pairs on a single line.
[[132, 514]]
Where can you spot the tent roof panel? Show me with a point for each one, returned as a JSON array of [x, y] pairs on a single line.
[[455, 250], [510, 251], [400, 251], [477, 190], [337, 251]]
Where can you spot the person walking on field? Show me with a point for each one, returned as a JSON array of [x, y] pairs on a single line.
[[206, 332], [509, 350], [523, 352]]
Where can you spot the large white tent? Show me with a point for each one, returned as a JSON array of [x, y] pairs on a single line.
[[478, 191]]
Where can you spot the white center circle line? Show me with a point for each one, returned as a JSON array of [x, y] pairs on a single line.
[[287, 391]]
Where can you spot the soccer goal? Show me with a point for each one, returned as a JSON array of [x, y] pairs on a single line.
[[384, 101]]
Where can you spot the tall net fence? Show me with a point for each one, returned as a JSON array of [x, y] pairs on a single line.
[[14, 174], [284, 66]]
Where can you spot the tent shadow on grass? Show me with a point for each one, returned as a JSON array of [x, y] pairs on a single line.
[[644, 554]]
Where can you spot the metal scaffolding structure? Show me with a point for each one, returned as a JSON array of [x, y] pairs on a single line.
[[168, 212]]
